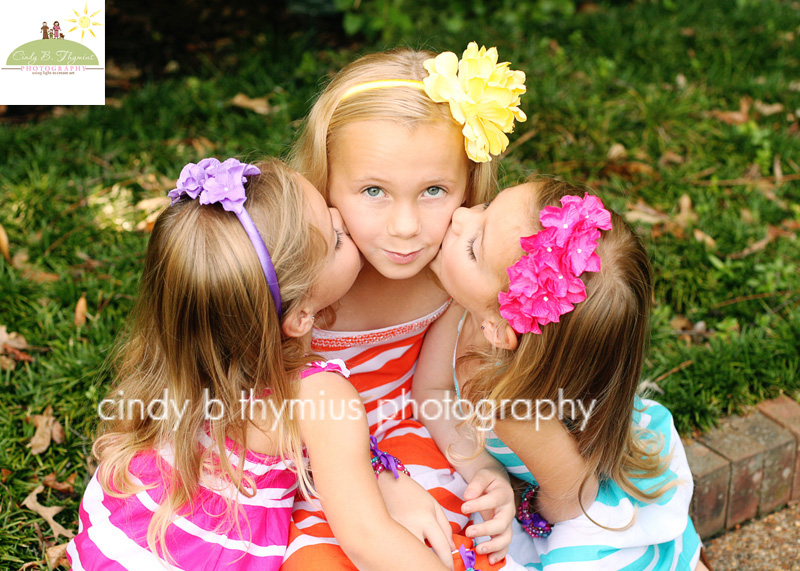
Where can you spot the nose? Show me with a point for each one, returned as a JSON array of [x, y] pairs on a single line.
[[404, 222], [460, 217], [338, 221]]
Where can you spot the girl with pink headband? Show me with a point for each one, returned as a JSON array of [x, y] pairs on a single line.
[[217, 399], [547, 349], [396, 142]]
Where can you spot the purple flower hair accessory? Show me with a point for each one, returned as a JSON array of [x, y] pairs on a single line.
[[212, 182], [545, 283]]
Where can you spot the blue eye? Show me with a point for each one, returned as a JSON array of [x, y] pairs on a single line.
[[373, 191], [435, 191]]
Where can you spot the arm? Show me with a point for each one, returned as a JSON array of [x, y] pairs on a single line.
[[489, 491], [338, 450], [552, 456]]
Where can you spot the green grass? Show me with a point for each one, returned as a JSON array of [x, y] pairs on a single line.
[[639, 75]]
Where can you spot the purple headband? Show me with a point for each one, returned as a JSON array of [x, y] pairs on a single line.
[[214, 182]]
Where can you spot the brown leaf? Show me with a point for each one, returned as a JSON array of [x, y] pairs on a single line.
[[67, 486], [12, 339], [670, 158], [630, 169], [7, 363], [16, 353], [258, 105], [4, 244], [686, 214], [767, 109], [56, 556], [773, 232], [38, 276], [80, 311], [643, 212], [701, 236], [58, 433], [203, 146], [44, 431], [616, 152], [735, 117], [680, 324], [47, 512], [4, 474], [747, 216]]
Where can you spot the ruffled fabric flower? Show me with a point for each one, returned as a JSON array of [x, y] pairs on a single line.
[[545, 283], [484, 97], [214, 182]]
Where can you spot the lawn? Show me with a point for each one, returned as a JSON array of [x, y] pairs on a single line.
[[686, 119]]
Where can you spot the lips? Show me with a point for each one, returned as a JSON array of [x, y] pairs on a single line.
[[400, 258]]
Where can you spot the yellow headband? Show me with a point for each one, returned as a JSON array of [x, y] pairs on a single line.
[[382, 83], [483, 95]]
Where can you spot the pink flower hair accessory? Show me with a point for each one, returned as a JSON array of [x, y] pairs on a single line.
[[213, 182], [545, 283]]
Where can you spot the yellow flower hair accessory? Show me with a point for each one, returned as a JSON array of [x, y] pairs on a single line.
[[483, 96]]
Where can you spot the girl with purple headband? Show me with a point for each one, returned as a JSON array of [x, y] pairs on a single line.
[[547, 344], [217, 400]]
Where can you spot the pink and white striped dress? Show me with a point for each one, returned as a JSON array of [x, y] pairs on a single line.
[[112, 533]]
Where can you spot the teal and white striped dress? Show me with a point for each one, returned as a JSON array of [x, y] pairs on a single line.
[[662, 536]]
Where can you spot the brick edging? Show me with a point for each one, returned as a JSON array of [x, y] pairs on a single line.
[[746, 467]]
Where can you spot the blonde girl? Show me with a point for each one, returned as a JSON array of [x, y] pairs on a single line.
[[216, 393], [396, 142], [548, 344]]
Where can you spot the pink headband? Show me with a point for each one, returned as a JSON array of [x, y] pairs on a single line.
[[545, 282]]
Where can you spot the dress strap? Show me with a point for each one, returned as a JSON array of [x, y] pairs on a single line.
[[333, 365], [455, 350]]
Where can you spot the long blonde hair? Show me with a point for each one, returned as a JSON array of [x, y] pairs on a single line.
[[205, 327], [405, 105], [594, 353]]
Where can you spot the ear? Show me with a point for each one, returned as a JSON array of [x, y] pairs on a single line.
[[298, 322], [499, 333]]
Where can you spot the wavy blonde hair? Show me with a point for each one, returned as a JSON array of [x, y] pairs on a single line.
[[205, 325], [594, 353], [405, 105]]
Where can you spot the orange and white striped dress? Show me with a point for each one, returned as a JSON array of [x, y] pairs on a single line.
[[381, 364]]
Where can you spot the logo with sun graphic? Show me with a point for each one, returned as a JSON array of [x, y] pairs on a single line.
[[54, 54], [84, 22]]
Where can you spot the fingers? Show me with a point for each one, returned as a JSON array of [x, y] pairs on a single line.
[[444, 526], [440, 545], [490, 527], [497, 546], [496, 499], [478, 484]]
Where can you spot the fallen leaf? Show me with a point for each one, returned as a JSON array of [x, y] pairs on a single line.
[[20, 259], [67, 486], [16, 353], [680, 324], [747, 216], [735, 117], [56, 555], [258, 105], [80, 311], [7, 363], [617, 151], [203, 146], [773, 232], [767, 109], [39, 276], [44, 431], [4, 244], [686, 215], [47, 513], [58, 433], [12, 339], [670, 158], [4, 474], [777, 170], [701, 236], [643, 212]]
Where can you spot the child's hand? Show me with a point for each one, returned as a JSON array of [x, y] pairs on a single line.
[[414, 508], [490, 493]]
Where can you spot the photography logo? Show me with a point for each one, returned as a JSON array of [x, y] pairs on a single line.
[[63, 61]]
